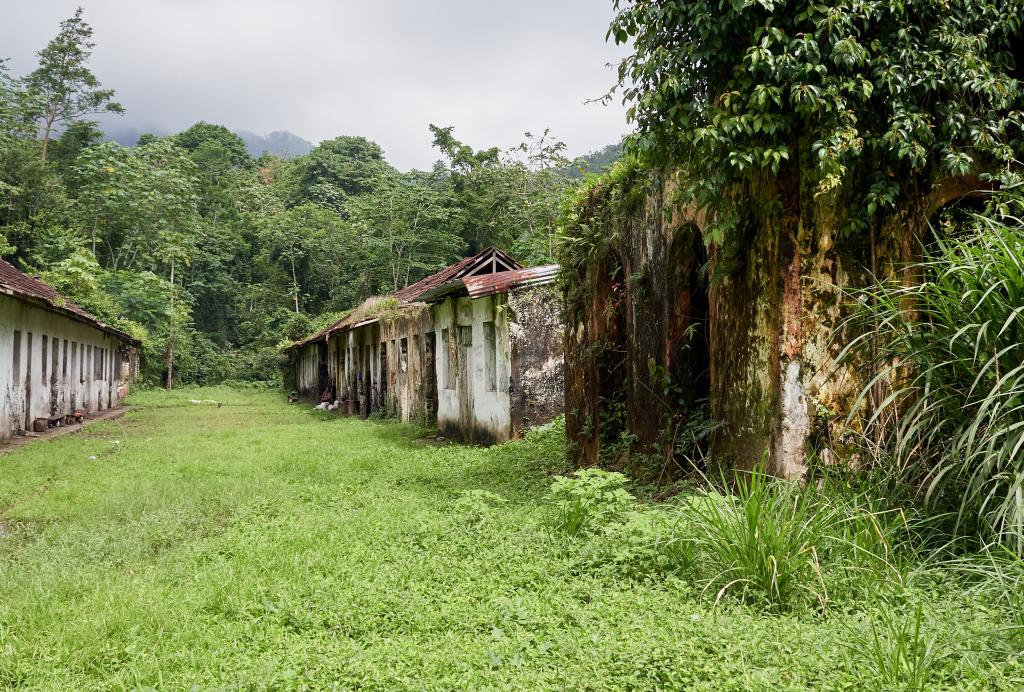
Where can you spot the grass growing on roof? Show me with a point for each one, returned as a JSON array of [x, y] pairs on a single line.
[[266, 546]]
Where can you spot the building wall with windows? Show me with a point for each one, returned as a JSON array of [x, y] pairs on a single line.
[[476, 350], [478, 369], [473, 372], [53, 365]]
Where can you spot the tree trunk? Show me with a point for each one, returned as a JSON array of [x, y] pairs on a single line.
[[170, 338], [295, 286], [47, 130]]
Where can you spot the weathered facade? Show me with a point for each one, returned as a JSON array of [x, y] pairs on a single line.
[[475, 349], [55, 358], [660, 337]]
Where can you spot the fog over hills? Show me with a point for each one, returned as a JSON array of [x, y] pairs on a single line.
[[279, 143]]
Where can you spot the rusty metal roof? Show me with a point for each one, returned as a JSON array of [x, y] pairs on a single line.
[[465, 267], [17, 283], [498, 261], [489, 284]]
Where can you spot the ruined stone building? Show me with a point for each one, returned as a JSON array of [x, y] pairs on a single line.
[[667, 338], [476, 349], [56, 358]]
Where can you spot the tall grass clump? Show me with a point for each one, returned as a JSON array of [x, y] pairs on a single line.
[[762, 541], [947, 354], [896, 652], [779, 543]]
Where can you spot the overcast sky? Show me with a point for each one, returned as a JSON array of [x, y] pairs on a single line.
[[383, 69]]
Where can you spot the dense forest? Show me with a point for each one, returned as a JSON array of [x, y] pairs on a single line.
[[213, 257]]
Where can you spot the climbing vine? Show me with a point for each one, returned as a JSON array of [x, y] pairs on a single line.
[[878, 96]]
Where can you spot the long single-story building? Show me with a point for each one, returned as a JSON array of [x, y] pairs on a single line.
[[475, 349], [56, 359]]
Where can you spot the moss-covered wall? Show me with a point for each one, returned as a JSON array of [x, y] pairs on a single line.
[[657, 332]]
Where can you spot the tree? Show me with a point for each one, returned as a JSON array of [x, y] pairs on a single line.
[[538, 190], [408, 221], [474, 178], [127, 197], [66, 88], [15, 109], [877, 98], [206, 134], [288, 235], [337, 169], [76, 137], [807, 145], [509, 199], [176, 248]]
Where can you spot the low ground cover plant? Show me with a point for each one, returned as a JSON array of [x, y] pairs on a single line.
[[589, 499], [274, 547]]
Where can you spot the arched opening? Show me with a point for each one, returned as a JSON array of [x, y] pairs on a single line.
[[687, 354]]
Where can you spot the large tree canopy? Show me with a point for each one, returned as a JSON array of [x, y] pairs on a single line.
[[882, 96]]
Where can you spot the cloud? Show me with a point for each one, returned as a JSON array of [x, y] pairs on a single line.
[[322, 68]]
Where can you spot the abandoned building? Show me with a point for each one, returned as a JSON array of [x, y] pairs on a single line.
[[669, 340], [57, 359], [475, 349]]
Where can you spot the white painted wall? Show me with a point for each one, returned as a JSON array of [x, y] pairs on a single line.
[[489, 409], [307, 370], [91, 376]]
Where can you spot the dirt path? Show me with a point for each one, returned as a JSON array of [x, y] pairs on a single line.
[[12, 443]]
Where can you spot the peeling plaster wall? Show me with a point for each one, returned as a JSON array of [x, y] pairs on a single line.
[[305, 371], [537, 342], [637, 318], [774, 321], [473, 402], [85, 369], [371, 370], [359, 387], [449, 364]]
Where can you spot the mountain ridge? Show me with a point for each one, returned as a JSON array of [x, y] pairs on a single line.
[[281, 143]]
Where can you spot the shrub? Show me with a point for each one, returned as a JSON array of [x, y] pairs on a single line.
[[589, 499], [951, 351]]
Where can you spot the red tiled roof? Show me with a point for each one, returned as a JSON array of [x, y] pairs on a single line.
[[21, 285]]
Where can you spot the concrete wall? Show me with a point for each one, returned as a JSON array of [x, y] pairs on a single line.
[[52, 365], [356, 369], [305, 371], [536, 339]]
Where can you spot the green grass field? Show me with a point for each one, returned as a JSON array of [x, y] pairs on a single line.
[[266, 546]]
